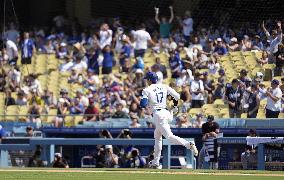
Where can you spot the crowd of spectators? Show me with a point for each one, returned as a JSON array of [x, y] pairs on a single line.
[[89, 52]]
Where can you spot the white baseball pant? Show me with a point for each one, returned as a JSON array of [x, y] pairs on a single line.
[[161, 119]]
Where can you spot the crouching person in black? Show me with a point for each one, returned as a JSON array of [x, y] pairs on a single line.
[[59, 162]]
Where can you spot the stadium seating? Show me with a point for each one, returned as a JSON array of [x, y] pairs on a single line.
[[46, 66]]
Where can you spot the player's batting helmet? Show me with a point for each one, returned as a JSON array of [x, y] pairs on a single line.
[[151, 76]]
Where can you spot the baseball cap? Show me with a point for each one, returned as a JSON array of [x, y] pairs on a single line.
[[235, 81], [234, 39], [221, 71], [210, 118], [139, 71], [205, 73], [108, 146], [58, 155], [219, 39], [243, 71], [275, 81], [151, 76]]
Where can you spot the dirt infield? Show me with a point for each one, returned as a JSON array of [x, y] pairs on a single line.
[[149, 171]]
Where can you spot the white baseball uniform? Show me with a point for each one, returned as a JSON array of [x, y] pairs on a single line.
[[157, 101]]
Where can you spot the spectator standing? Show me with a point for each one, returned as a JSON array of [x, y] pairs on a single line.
[[253, 102], [197, 91], [275, 39], [27, 49], [165, 25], [105, 36], [274, 95], [12, 52], [108, 60], [12, 34], [187, 26], [142, 38], [234, 96]]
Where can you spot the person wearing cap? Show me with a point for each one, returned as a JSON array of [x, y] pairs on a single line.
[[209, 153], [274, 95], [257, 43], [197, 91], [91, 112], [243, 75], [220, 49], [59, 161], [208, 88], [246, 44], [61, 51], [154, 97], [253, 102], [234, 96], [221, 83], [125, 51], [233, 46], [110, 159], [27, 49], [249, 157]]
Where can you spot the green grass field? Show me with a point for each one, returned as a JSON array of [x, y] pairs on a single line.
[[140, 174]]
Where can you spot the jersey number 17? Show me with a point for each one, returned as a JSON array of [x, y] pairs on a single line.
[[160, 97]]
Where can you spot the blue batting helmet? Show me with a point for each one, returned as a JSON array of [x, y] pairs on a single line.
[[151, 76]]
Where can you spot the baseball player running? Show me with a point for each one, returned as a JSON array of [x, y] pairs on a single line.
[[155, 97]]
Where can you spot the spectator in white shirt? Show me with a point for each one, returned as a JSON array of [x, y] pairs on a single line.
[[142, 38], [156, 68], [79, 65], [187, 25], [274, 94], [275, 39], [105, 36], [67, 66], [12, 52], [197, 91]]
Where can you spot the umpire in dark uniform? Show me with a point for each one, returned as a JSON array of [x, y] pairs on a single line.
[[208, 158]]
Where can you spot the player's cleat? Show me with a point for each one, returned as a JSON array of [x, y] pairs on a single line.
[[154, 166], [193, 148]]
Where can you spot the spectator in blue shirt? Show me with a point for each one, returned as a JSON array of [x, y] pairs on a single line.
[[76, 107], [139, 64], [220, 49], [93, 55], [257, 44], [125, 52], [27, 47], [108, 61], [175, 64]]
